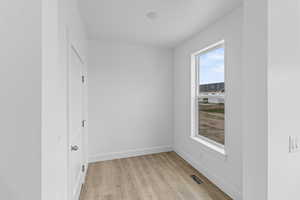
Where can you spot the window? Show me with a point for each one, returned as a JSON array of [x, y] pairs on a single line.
[[209, 95]]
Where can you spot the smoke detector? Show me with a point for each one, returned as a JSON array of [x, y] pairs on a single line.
[[152, 15]]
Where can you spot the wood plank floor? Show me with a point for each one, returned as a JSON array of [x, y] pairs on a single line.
[[164, 176]]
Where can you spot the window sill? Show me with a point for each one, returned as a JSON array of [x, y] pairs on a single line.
[[219, 150]]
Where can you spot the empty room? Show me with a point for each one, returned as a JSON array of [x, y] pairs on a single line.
[[150, 100]]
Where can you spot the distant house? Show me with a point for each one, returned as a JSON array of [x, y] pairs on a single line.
[[212, 93], [212, 87]]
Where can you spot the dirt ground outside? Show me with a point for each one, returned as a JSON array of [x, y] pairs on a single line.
[[211, 122]]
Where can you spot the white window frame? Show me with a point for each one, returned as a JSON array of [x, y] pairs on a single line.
[[220, 148]]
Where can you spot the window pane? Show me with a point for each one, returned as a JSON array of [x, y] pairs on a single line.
[[211, 94]]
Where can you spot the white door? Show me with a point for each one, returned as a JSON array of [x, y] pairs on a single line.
[[75, 116]]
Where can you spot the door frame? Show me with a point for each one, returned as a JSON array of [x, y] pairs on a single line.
[[70, 46]]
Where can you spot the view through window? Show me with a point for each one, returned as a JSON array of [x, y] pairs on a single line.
[[210, 94]]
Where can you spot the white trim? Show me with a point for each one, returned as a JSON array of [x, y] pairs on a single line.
[[224, 185], [77, 53], [129, 153], [85, 172], [77, 190], [82, 182], [73, 193], [220, 148], [211, 145], [210, 47]]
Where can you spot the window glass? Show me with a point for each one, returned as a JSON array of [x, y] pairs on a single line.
[[210, 94]]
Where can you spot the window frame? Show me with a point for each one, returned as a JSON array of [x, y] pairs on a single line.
[[211, 144]]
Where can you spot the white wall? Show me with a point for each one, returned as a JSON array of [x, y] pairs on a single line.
[[58, 16], [225, 172], [283, 77], [272, 46], [130, 99], [33, 97], [255, 107], [20, 146]]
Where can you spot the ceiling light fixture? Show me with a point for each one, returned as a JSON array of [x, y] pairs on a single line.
[[151, 15]]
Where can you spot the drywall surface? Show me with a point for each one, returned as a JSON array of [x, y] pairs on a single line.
[[130, 99], [283, 78], [271, 72], [20, 143], [226, 172], [255, 105], [61, 23]]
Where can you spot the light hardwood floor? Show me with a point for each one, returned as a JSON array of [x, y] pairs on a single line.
[[164, 176]]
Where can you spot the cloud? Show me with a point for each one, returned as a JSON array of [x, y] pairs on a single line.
[[216, 57], [219, 69]]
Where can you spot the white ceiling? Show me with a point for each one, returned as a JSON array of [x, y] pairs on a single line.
[[176, 20]]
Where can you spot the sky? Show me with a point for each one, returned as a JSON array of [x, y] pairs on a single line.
[[211, 66]]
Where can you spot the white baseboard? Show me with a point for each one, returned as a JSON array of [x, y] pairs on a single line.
[[229, 189], [129, 153]]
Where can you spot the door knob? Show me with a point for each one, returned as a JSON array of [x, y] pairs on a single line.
[[74, 148]]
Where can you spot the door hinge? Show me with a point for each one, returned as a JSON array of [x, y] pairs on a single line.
[[82, 79], [83, 123]]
